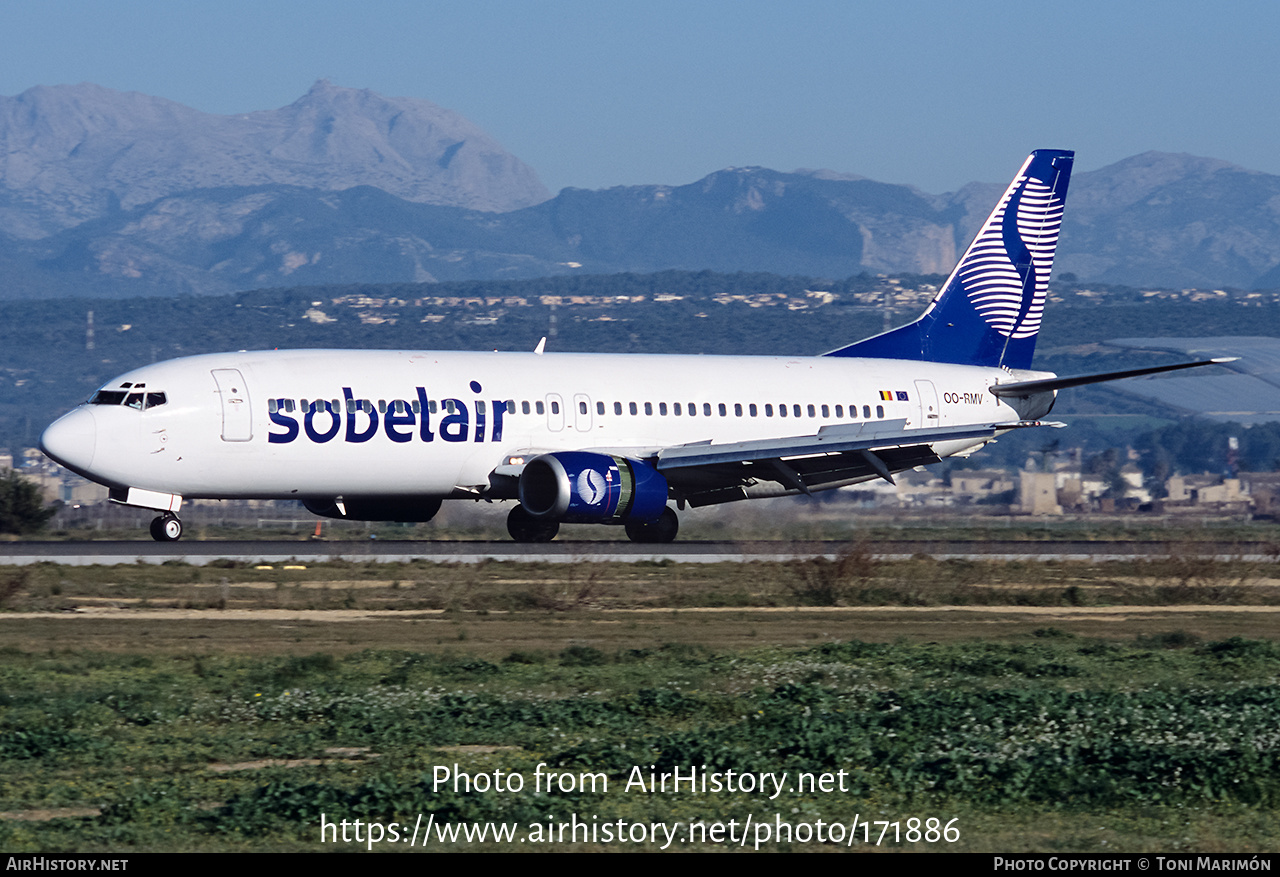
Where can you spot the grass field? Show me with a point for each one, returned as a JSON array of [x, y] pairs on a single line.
[[1050, 707]]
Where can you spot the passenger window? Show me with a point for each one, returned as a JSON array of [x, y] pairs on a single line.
[[382, 406], [879, 411], [662, 408], [648, 408], [866, 412], [599, 408], [706, 409], [632, 407], [782, 410], [524, 407], [617, 407], [693, 409], [840, 411], [511, 406], [768, 411], [737, 409], [433, 407], [676, 409], [724, 412], [582, 407], [539, 407], [271, 406], [555, 407], [416, 406], [796, 410], [751, 409], [366, 405], [826, 412], [813, 411], [450, 406]]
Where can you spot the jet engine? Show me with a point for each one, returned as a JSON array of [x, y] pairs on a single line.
[[581, 487], [402, 509]]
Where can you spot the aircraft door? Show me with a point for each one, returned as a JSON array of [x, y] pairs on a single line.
[[582, 412], [237, 416], [555, 412], [930, 412]]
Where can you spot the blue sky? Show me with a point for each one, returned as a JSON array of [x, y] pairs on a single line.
[[597, 94]]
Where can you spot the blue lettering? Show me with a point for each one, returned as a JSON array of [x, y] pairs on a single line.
[[499, 409], [308, 422], [476, 388], [391, 420], [425, 432], [352, 409], [279, 418], [455, 426], [397, 423]]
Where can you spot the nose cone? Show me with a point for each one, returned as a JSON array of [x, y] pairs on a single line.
[[71, 440]]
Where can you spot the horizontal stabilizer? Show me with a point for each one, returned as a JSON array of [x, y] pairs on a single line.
[[1029, 388]]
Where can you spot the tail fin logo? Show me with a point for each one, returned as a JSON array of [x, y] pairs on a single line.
[[1005, 273], [988, 312]]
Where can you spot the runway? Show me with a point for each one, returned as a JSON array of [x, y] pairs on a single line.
[[384, 551]]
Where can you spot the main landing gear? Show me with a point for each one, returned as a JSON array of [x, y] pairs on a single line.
[[166, 528], [524, 527], [660, 531]]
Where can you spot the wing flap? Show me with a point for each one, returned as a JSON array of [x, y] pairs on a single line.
[[869, 436], [707, 474]]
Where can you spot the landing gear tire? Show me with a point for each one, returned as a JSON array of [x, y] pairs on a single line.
[[524, 527], [166, 528], [657, 532]]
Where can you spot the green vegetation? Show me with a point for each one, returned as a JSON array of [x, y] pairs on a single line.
[[22, 510], [1045, 742]]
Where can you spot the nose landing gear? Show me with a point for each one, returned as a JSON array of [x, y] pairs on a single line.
[[166, 528]]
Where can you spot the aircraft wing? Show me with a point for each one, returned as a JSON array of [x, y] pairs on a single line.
[[706, 473]]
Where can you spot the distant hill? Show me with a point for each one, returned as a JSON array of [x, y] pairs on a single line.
[[1174, 220], [73, 153], [104, 193]]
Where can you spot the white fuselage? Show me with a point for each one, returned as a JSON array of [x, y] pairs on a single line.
[[325, 423]]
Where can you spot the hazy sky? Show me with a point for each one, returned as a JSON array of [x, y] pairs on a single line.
[[596, 94]]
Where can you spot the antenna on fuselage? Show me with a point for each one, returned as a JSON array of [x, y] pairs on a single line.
[[542, 345]]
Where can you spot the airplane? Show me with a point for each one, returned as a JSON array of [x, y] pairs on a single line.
[[586, 437]]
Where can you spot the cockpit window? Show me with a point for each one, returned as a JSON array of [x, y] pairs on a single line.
[[138, 401], [107, 397]]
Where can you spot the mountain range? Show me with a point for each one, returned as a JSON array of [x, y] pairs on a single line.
[[111, 193]]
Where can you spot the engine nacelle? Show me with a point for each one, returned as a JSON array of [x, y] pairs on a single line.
[[402, 509], [580, 487]]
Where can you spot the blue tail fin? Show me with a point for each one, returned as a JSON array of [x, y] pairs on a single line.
[[989, 310]]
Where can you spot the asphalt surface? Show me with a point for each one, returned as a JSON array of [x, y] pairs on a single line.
[[386, 551]]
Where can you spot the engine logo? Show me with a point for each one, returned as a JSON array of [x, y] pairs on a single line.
[[591, 487]]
